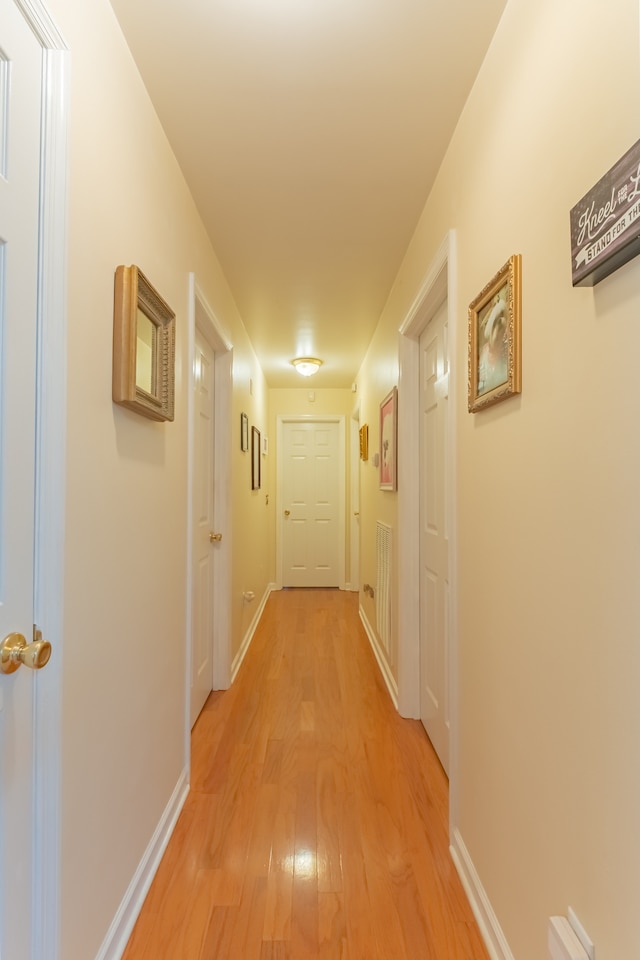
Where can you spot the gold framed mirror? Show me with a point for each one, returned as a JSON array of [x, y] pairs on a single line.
[[143, 347]]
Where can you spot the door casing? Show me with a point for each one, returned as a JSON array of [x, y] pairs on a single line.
[[354, 502], [202, 496], [202, 316], [439, 284], [434, 501], [50, 479]]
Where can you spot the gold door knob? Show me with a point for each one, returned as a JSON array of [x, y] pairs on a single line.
[[215, 537], [15, 651], [287, 513]]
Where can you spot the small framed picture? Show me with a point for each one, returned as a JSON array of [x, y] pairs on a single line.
[[494, 339], [388, 441], [255, 458], [364, 442], [244, 432]]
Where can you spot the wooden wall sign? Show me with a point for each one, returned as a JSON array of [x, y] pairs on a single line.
[[605, 224]]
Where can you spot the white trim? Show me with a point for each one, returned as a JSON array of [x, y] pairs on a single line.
[[222, 520], [408, 530], [42, 25], [491, 931], [379, 654], [439, 283], [202, 316], [281, 419], [248, 637], [354, 501], [117, 937], [51, 405]]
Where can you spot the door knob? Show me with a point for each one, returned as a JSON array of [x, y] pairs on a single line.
[[287, 513], [215, 537], [15, 651], [356, 513]]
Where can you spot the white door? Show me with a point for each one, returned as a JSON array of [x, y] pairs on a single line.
[[434, 536], [20, 106], [203, 546], [354, 540], [312, 485]]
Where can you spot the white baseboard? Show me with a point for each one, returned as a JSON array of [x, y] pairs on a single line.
[[378, 652], [494, 939], [120, 930], [248, 637]]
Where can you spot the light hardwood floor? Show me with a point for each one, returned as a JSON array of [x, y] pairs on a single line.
[[317, 824]]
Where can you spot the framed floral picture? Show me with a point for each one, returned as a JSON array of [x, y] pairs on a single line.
[[494, 339], [388, 441]]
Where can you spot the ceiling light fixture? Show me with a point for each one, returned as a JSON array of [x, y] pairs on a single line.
[[307, 366]]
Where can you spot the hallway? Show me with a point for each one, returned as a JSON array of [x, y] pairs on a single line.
[[317, 823]]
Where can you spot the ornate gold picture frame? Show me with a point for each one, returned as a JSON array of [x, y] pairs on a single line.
[[364, 442], [495, 363], [144, 338]]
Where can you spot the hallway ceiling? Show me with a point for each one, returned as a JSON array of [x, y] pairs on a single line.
[[310, 133]]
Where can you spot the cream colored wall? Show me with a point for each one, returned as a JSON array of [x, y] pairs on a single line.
[[297, 402], [548, 515], [125, 595], [377, 376], [548, 511], [252, 563]]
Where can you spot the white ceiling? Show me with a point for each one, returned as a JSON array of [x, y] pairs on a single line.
[[310, 132]]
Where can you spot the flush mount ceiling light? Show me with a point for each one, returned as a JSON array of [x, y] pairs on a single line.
[[307, 366]]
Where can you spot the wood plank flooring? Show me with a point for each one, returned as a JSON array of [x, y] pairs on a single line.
[[317, 826]]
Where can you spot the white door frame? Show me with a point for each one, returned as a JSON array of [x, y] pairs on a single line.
[[51, 406], [439, 284], [281, 419], [354, 502], [202, 316]]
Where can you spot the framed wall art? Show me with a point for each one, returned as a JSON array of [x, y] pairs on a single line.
[[255, 458], [144, 337], [494, 338], [388, 441], [605, 224], [244, 432], [364, 442]]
